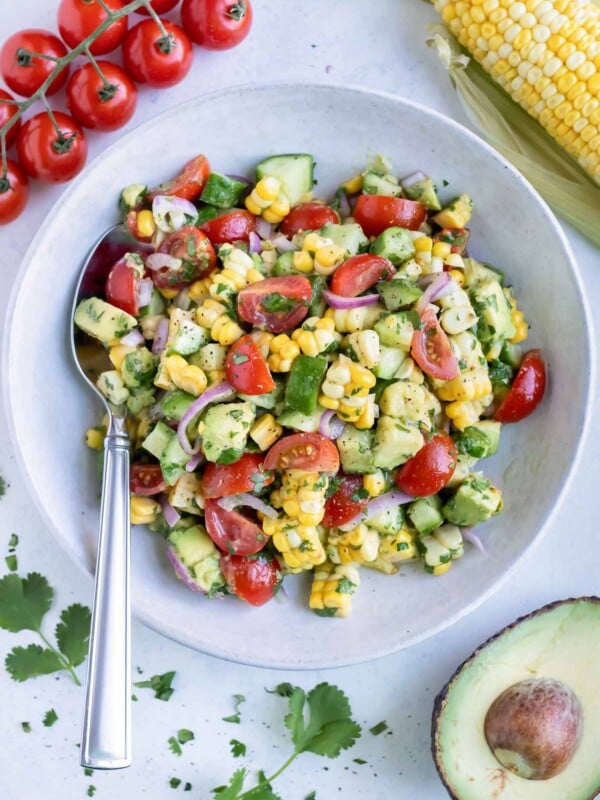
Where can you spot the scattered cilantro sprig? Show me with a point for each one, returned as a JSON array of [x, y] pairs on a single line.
[[183, 735], [161, 684], [50, 717], [23, 604], [319, 722], [238, 699]]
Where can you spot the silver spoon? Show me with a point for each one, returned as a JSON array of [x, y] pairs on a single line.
[[106, 737]]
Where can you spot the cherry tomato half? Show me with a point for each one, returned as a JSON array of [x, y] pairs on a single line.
[[160, 6], [431, 349], [255, 579], [359, 273], [131, 222], [526, 391], [197, 255], [429, 470], [236, 226], [346, 503], [47, 155], [376, 212], [7, 111], [246, 369], [149, 57], [223, 480], [78, 18], [95, 104], [217, 24], [146, 479], [121, 286], [25, 74], [308, 217], [14, 192], [188, 184], [277, 303], [308, 451], [231, 531]]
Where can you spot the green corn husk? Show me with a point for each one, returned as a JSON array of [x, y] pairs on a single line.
[[565, 186]]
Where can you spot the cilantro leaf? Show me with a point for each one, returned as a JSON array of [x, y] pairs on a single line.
[[282, 690], [311, 796], [330, 727], [264, 792], [174, 783], [161, 685], [237, 748], [294, 721], [233, 788], [184, 735], [13, 541], [26, 727], [91, 790], [174, 746], [87, 771], [238, 699], [73, 633], [50, 718], [277, 303], [29, 662], [24, 601], [379, 728], [11, 563]]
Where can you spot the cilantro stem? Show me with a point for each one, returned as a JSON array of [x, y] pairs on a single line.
[[271, 778], [64, 661]]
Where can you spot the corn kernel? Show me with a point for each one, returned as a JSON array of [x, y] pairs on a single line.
[[458, 276], [374, 483], [94, 438], [143, 510], [353, 185], [302, 261], [145, 224], [424, 244], [441, 249], [265, 431]]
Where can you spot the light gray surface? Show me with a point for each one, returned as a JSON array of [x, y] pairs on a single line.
[[378, 46]]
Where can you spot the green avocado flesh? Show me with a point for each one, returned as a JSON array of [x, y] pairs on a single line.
[[560, 641]]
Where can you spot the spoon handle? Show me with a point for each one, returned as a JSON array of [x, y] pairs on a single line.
[[106, 737]]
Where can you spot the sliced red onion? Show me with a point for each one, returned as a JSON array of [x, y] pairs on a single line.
[[171, 516], [143, 292], [248, 500], [223, 391], [264, 228], [345, 210], [330, 425], [181, 570], [394, 498], [410, 180], [283, 244], [253, 242], [160, 336], [193, 462], [132, 339], [473, 539], [337, 301], [183, 300], [157, 261], [433, 291], [172, 213]]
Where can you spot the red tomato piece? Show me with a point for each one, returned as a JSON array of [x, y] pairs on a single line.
[[457, 238], [25, 74], [376, 212], [236, 226], [188, 184], [431, 349], [278, 304], [160, 61], [97, 105], [131, 222], [526, 391], [197, 255], [217, 24], [146, 479], [223, 480], [429, 470], [359, 273], [78, 18], [346, 503], [121, 286], [246, 369], [255, 579], [231, 531], [14, 192], [160, 6], [308, 451], [46, 155], [308, 217], [7, 111]]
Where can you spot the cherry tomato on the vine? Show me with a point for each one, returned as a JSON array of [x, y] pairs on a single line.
[[48, 155], [14, 191], [160, 6], [105, 106], [155, 59], [78, 18], [217, 24], [25, 74], [7, 111]]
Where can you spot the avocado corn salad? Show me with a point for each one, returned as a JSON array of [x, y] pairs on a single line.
[[309, 386]]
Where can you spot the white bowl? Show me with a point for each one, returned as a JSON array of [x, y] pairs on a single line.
[[343, 127]]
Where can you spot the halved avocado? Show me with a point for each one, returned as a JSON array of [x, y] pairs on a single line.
[[559, 642]]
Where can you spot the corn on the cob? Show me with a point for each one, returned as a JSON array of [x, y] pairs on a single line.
[[545, 54], [332, 589]]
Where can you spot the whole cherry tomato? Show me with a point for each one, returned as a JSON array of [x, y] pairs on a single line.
[[196, 253], [217, 24], [526, 391], [25, 74], [14, 191], [7, 111], [308, 217], [155, 59], [430, 469], [103, 105], [78, 18], [160, 6], [48, 155]]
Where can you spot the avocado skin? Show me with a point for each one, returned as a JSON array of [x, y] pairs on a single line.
[[442, 698]]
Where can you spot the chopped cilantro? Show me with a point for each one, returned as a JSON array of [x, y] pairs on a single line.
[[50, 718], [345, 586], [174, 782], [14, 539], [26, 727], [91, 790], [238, 699], [11, 563], [275, 302], [379, 728], [237, 748], [174, 746], [184, 735], [161, 684]]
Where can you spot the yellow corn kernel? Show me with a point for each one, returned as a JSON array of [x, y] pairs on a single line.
[[169, 294], [225, 331], [313, 242], [327, 258], [458, 276], [423, 244], [366, 420], [328, 402], [299, 545], [117, 354], [361, 376], [359, 545], [441, 249], [267, 189], [187, 377], [279, 209], [200, 290], [94, 438], [374, 483], [284, 352], [263, 340], [441, 569], [400, 546], [464, 413], [265, 431], [143, 429], [143, 510], [353, 185], [316, 335], [252, 207], [302, 261], [472, 384], [215, 376], [145, 224], [521, 326]]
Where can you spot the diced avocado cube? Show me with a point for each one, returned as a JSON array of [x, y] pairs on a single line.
[[475, 500], [157, 305], [185, 337], [284, 264], [112, 387], [390, 360], [225, 431], [494, 311], [222, 191], [131, 197], [268, 400], [395, 244], [175, 404], [356, 450], [374, 183], [138, 368], [511, 354], [308, 423], [479, 440], [139, 399], [197, 552], [398, 293], [501, 374], [388, 521], [475, 271], [396, 330], [456, 214], [294, 171], [349, 236], [103, 321], [423, 191], [426, 514], [173, 461], [396, 440], [210, 357], [157, 440]]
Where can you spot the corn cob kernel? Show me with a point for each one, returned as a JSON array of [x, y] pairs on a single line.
[[374, 483], [225, 331], [360, 545], [299, 545], [353, 185], [400, 546], [283, 353], [187, 377], [332, 589], [145, 224], [265, 431], [316, 336], [94, 438], [143, 510]]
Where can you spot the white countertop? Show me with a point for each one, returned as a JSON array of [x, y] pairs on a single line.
[[380, 45]]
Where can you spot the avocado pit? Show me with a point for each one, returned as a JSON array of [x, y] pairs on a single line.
[[534, 727]]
